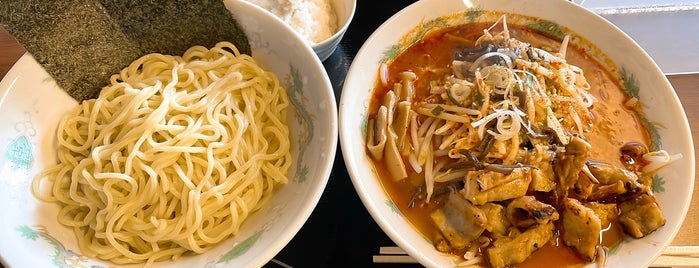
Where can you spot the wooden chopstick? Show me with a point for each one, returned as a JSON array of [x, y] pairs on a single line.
[[682, 251], [675, 261], [393, 259], [393, 255], [391, 250], [678, 256], [673, 256]]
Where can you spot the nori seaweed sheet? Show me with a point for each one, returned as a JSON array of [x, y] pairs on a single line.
[[171, 27], [77, 42], [81, 43]]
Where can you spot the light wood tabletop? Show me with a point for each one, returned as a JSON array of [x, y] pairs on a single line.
[[686, 86]]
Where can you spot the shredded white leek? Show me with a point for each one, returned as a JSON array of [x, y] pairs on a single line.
[[488, 55], [506, 128], [658, 160]]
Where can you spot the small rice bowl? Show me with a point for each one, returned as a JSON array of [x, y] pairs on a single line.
[[314, 20]]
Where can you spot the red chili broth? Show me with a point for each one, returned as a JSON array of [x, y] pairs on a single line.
[[430, 59]]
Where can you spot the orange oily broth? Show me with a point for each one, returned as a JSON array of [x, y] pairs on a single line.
[[615, 125]]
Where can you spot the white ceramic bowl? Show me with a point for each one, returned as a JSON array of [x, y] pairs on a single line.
[[32, 105], [344, 10], [661, 104]]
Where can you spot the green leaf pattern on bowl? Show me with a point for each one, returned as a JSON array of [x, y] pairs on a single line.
[[241, 248], [437, 23], [547, 27], [364, 125], [391, 53], [61, 257], [629, 82], [295, 90], [473, 13], [655, 141], [392, 206], [631, 87], [658, 184]]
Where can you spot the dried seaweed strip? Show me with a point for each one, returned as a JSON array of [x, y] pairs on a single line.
[[171, 27], [76, 41], [81, 43]]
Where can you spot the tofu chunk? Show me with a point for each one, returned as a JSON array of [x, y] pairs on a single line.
[[526, 211], [485, 186], [641, 216], [511, 250], [459, 221], [581, 228], [497, 223]]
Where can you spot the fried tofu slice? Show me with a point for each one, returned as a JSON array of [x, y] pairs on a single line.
[[581, 228], [497, 223], [526, 211], [641, 216], [485, 186], [459, 221], [512, 250]]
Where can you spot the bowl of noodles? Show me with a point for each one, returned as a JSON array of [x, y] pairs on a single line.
[[210, 158], [514, 133]]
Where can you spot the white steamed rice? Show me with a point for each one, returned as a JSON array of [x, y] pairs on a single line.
[[315, 20]]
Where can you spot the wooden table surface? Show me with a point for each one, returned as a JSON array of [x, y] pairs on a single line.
[[686, 85]]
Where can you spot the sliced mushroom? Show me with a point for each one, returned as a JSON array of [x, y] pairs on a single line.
[[467, 160], [484, 146], [634, 149], [602, 192], [505, 169], [472, 53], [608, 174], [419, 194], [632, 153]]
